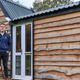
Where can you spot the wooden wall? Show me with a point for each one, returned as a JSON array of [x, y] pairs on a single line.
[[3, 20], [57, 48]]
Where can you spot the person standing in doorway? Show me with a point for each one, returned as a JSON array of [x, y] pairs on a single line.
[[5, 48]]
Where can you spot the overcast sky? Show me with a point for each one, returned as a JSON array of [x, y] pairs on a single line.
[[28, 3]]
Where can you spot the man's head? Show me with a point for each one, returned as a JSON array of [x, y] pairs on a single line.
[[2, 27]]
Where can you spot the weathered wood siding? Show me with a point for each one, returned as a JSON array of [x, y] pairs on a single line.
[[57, 48], [3, 20]]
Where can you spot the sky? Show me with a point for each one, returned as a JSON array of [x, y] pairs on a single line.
[[28, 3]]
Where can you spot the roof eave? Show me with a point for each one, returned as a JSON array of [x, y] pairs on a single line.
[[47, 14]]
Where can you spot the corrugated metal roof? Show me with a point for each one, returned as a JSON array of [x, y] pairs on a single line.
[[14, 9], [48, 11]]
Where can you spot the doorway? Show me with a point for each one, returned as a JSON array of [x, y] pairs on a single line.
[[22, 52]]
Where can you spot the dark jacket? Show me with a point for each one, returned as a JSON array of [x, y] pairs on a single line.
[[5, 43]]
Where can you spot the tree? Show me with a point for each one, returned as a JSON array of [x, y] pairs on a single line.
[[39, 5]]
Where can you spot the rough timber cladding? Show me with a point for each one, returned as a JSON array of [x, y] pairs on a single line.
[[57, 47]]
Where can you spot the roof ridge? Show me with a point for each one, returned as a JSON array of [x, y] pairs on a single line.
[[20, 5]]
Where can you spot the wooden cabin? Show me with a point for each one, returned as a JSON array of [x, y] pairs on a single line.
[[46, 44], [8, 11], [55, 43]]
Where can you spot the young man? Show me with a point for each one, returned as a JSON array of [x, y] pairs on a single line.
[[5, 48]]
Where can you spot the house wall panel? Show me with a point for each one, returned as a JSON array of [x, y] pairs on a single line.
[[58, 58], [59, 23], [1, 13], [57, 47], [57, 33], [63, 39], [49, 29], [56, 18], [55, 52]]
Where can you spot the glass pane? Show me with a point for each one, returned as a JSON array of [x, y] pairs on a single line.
[[18, 39], [18, 65], [28, 65], [28, 38]]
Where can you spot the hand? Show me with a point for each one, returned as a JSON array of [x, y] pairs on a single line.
[[7, 51]]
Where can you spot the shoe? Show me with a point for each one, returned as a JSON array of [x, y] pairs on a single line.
[[6, 79]]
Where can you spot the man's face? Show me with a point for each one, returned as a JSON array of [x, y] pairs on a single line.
[[2, 27]]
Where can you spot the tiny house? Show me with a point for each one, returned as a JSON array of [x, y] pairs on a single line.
[[46, 44], [8, 11], [55, 42]]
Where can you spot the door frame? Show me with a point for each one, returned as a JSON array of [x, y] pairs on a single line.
[[13, 51]]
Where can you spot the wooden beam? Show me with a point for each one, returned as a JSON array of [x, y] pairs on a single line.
[[57, 52], [59, 23], [58, 63], [64, 39], [57, 28], [62, 46], [57, 18], [57, 58], [57, 33]]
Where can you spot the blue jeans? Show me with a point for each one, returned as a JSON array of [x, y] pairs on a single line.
[[4, 57]]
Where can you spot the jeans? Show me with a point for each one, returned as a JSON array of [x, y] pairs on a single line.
[[4, 57]]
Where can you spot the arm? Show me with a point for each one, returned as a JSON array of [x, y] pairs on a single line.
[[9, 43]]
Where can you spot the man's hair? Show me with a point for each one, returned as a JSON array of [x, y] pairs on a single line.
[[2, 24]]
